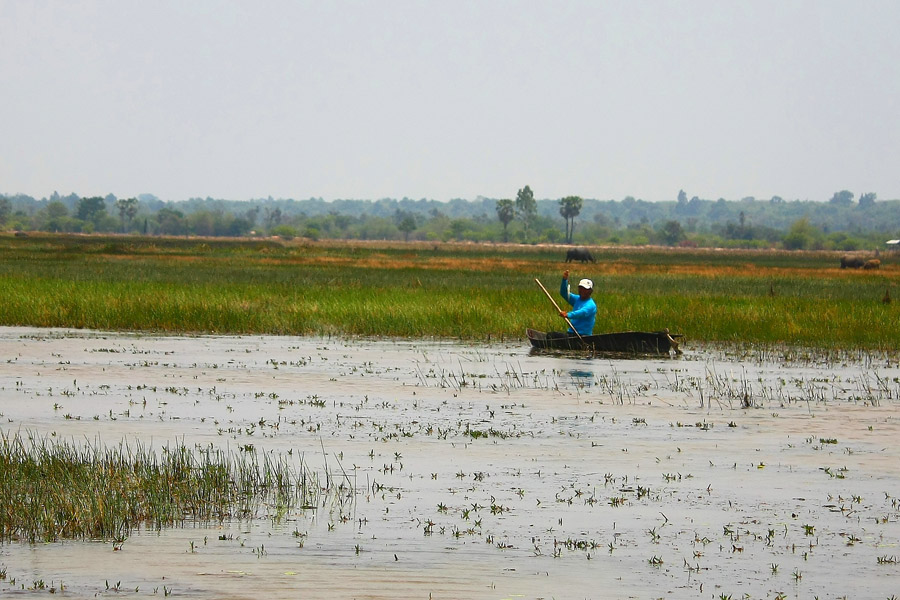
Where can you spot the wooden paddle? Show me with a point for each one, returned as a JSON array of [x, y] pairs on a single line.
[[559, 310]]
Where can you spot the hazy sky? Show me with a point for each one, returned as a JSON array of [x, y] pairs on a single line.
[[450, 99]]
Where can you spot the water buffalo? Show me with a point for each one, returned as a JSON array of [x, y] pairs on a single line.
[[872, 264], [852, 262], [582, 254]]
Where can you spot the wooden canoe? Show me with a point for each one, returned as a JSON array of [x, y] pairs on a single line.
[[622, 342]]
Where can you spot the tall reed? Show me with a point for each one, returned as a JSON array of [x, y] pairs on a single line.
[[449, 291], [51, 489]]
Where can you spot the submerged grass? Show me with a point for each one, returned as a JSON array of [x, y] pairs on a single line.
[[52, 490], [461, 291]]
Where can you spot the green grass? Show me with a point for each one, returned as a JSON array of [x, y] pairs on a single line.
[[427, 290], [95, 492]]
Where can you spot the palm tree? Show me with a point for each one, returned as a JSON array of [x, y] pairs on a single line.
[[569, 208], [506, 211]]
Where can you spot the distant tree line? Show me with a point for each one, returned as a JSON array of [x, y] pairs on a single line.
[[840, 223]]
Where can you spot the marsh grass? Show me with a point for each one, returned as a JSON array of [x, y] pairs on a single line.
[[440, 290], [52, 489]]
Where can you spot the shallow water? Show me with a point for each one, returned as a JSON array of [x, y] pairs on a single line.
[[483, 471]]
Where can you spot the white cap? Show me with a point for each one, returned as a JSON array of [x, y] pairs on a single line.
[[586, 284]]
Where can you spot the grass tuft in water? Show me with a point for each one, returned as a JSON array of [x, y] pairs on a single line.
[[51, 490]]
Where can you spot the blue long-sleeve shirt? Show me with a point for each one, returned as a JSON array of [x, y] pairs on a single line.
[[583, 313]]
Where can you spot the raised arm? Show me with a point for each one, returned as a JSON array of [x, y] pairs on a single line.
[[564, 288]]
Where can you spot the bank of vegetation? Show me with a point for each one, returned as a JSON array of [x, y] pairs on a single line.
[[417, 289], [839, 223]]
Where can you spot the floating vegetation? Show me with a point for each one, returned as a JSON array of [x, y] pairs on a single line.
[[52, 490]]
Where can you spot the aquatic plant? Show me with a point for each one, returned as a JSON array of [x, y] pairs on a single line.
[[51, 489], [415, 290]]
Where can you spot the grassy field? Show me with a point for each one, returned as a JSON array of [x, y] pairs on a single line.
[[462, 291]]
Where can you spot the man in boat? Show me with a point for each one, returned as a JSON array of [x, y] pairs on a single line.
[[584, 309]]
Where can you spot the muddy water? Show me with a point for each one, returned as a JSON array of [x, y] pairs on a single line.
[[483, 471]]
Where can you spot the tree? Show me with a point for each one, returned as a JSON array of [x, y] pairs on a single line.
[[526, 207], [239, 226], [406, 222], [459, 227], [251, 215], [273, 217], [5, 208], [171, 221], [569, 208], [506, 211], [801, 235], [127, 210], [57, 210], [202, 222], [672, 233], [843, 198], [867, 199], [91, 209]]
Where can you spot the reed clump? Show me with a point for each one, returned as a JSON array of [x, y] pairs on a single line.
[[52, 489]]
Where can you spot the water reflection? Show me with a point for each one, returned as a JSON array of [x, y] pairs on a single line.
[[582, 377], [588, 354]]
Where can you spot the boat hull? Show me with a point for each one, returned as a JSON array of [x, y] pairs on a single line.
[[623, 342]]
